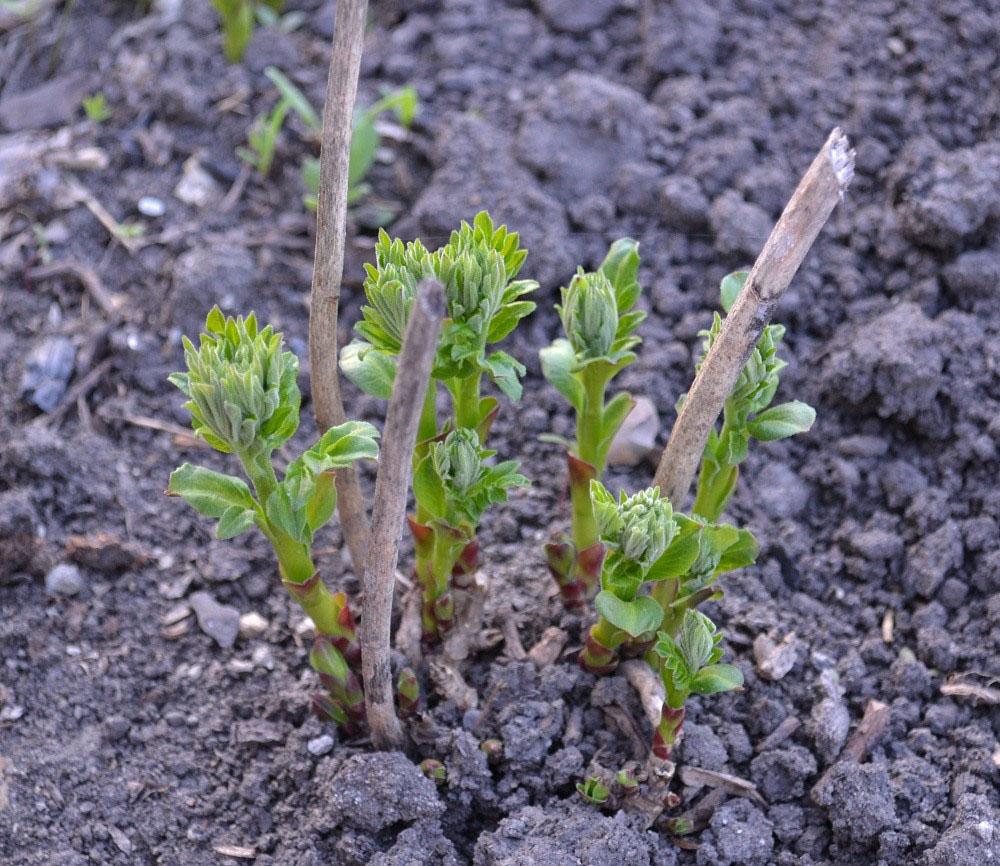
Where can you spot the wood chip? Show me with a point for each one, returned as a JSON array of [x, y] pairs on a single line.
[[734, 785], [774, 660], [549, 646], [870, 730], [237, 851], [961, 689], [789, 725], [451, 685], [888, 625]]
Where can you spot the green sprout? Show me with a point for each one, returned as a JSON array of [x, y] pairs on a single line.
[[365, 142], [238, 19], [244, 400], [434, 770], [453, 486], [746, 414], [96, 108], [690, 666], [593, 790], [599, 322]]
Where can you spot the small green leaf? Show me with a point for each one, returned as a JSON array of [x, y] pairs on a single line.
[[342, 445], [371, 370], [558, 361], [429, 489], [732, 285], [505, 371], [677, 558], [282, 512], [234, 521], [615, 413], [208, 492], [782, 421], [740, 553], [621, 264], [320, 506], [716, 678], [637, 617], [295, 97]]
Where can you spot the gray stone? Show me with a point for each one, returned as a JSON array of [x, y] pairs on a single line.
[[50, 104], [219, 621], [572, 16], [65, 580]]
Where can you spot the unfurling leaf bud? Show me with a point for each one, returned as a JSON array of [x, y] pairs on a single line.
[[458, 459], [593, 790], [641, 526], [590, 315], [628, 782], [241, 386], [434, 770]]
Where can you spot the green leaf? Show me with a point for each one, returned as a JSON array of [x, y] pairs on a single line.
[[677, 558], [208, 492], [319, 507], [371, 370], [732, 285], [364, 143], [342, 445], [558, 361], [507, 318], [637, 617], [429, 489], [284, 513], [505, 371], [716, 678], [740, 553], [235, 521], [621, 264], [295, 97], [782, 421], [615, 413]]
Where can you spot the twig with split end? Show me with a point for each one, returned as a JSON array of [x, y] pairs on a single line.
[[395, 463], [821, 187], [328, 269]]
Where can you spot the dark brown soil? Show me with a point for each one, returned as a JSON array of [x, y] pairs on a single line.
[[129, 735]]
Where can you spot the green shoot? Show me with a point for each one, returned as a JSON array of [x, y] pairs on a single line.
[[746, 414], [244, 400], [96, 108], [238, 19], [593, 790], [599, 322]]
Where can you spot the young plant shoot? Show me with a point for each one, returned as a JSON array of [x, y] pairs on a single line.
[[453, 486], [244, 400], [478, 268], [599, 321], [746, 414], [657, 565]]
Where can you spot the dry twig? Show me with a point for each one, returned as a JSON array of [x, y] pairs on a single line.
[[328, 269], [395, 463], [110, 303], [808, 209]]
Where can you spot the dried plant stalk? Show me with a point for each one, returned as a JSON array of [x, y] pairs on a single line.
[[821, 187], [395, 465], [328, 269]]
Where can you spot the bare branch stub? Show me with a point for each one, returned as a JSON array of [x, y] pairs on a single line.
[[395, 466], [821, 187], [328, 269]]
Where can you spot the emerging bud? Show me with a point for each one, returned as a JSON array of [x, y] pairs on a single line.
[[434, 770], [590, 315], [493, 749], [593, 790], [628, 782], [458, 459], [240, 384], [407, 693], [641, 526]]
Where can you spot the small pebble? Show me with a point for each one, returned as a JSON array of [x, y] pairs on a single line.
[[252, 625], [219, 621], [320, 745], [151, 206], [65, 580], [262, 657]]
